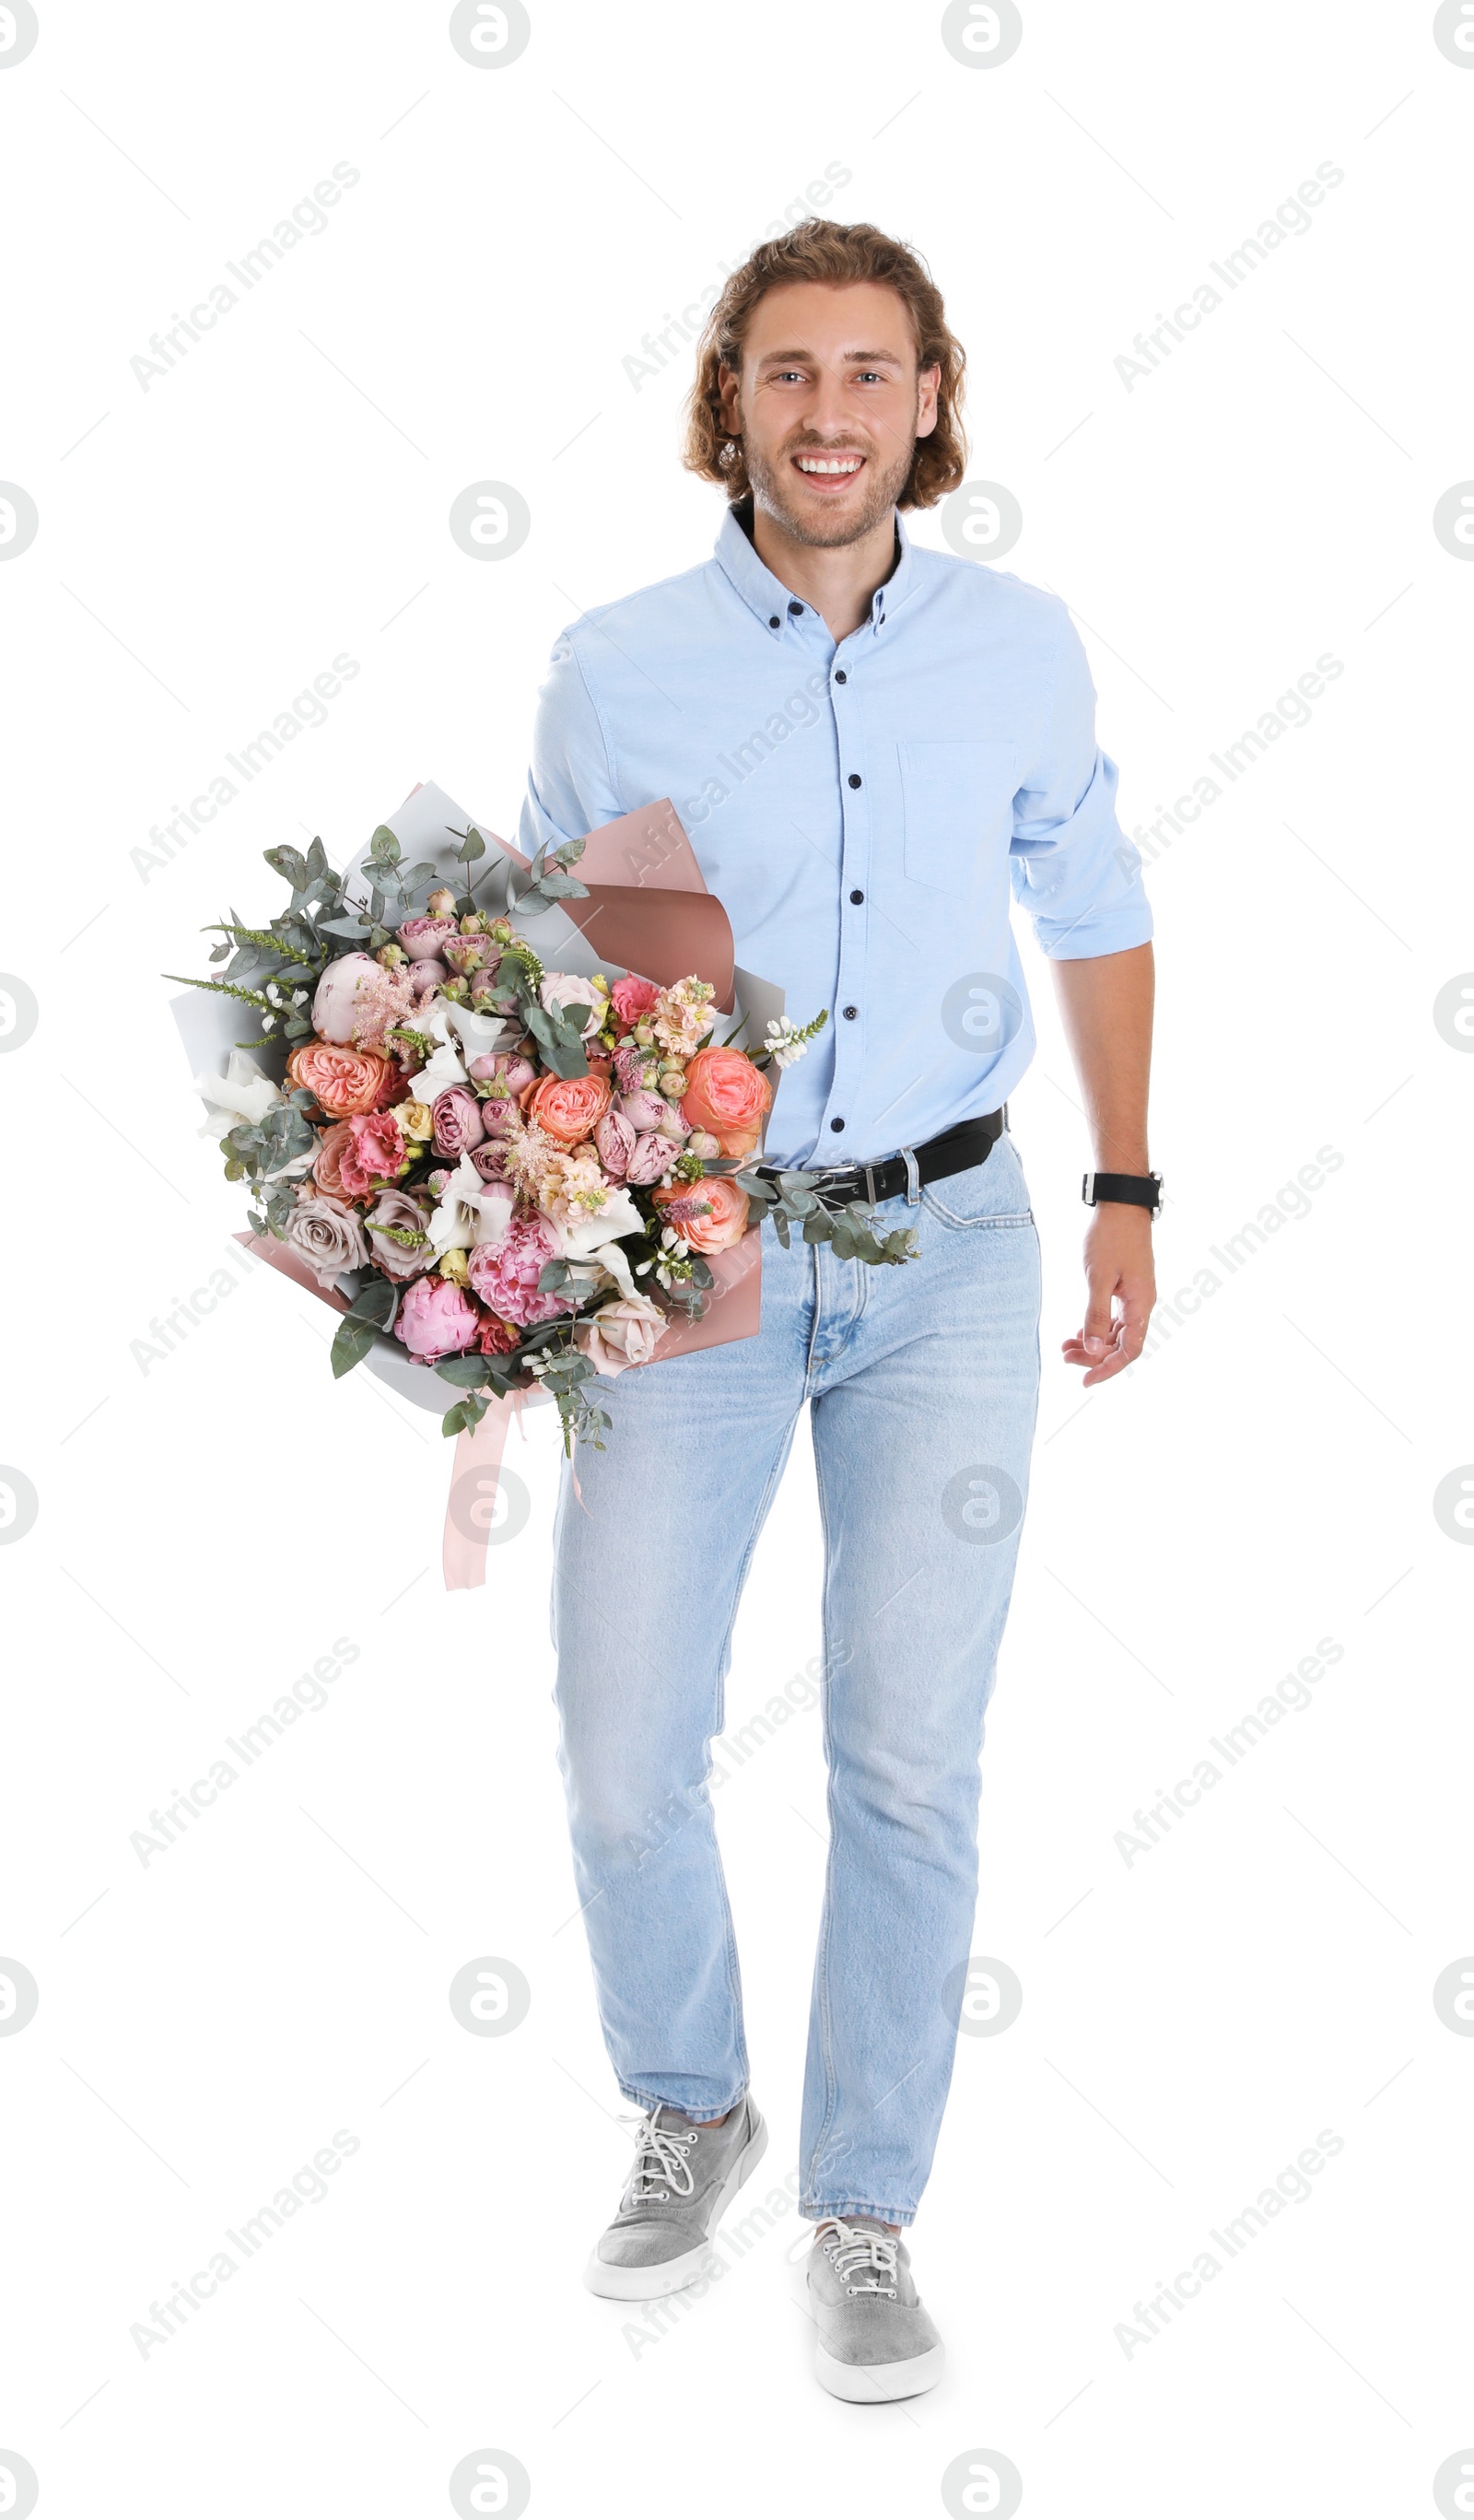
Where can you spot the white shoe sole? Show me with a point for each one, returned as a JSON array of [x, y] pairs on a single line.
[[673, 2274], [867, 2384]]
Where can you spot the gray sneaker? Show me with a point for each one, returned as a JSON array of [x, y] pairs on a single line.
[[875, 2341], [684, 2178]]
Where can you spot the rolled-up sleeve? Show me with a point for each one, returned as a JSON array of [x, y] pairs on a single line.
[[570, 785], [1074, 871]]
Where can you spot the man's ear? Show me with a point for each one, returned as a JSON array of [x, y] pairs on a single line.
[[729, 382], [927, 381]]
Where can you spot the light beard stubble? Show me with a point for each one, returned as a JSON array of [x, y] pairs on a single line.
[[884, 490]]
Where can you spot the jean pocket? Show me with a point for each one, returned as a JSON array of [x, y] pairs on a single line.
[[993, 1194], [957, 807]]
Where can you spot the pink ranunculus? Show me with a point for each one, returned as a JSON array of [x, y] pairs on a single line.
[[423, 937], [614, 1139], [644, 1110], [633, 999], [435, 1320], [425, 976], [459, 1126], [651, 1160], [373, 1155], [504, 1274], [333, 998]]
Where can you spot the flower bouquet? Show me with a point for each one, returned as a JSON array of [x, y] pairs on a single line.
[[519, 1175]]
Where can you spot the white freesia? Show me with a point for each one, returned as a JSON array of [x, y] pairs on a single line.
[[470, 1211], [243, 1092]]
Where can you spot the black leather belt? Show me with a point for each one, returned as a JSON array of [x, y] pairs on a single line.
[[956, 1151]]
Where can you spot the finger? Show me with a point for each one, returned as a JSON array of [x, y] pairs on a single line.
[[1098, 1331]]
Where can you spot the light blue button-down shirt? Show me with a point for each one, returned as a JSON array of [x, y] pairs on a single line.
[[865, 811]]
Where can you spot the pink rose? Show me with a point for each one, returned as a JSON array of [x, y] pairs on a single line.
[[468, 953], [333, 998], [373, 1155], [566, 990], [435, 1320], [614, 1139], [397, 1239], [427, 976], [620, 1334], [504, 1274], [423, 937], [651, 1159], [459, 1126], [709, 1215], [632, 999], [490, 1160]]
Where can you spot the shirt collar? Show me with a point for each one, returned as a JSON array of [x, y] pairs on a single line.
[[768, 597]]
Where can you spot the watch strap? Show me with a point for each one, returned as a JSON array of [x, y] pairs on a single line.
[[1126, 1190]]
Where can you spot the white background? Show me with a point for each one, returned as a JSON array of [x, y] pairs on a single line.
[[1263, 1479]]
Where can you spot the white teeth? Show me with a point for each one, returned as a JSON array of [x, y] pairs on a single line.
[[832, 464]]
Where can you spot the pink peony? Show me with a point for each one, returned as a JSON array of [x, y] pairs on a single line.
[[423, 937], [614, 1139], [633, 999], [501, 1067], [490, 1160], [435, 1320], [373, 1155], [333, 998], [425, 977], [644, 1110], [505, 1276], [459, 1126], [651, 1159]]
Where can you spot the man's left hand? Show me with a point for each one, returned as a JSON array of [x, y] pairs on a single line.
[[1122, 1290]]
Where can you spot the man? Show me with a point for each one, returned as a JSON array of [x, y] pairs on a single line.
[[867, 742]]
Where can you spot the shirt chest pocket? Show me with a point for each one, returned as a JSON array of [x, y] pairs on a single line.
[[958, 810]]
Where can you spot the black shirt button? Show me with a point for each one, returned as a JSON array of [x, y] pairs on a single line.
[[773, 621], [857, 896], [836, 1125], [841, 677], [854, 778], [850, 1013], [795, 609]]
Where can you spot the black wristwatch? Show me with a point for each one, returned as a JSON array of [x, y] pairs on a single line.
[[1128, 1189]]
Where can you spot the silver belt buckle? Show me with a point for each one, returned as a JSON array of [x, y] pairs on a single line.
[[870, 1185]]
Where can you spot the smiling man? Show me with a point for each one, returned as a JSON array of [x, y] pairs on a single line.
[[875, 748]]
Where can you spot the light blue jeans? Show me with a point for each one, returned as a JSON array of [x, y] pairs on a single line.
[[922, 1382]]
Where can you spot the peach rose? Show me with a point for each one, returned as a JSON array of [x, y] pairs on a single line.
[[344, 1081], [326, 1162], [728, 1096], [568, 1107], [723, 1221]]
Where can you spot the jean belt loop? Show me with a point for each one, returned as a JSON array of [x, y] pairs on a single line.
[[912, 1177]]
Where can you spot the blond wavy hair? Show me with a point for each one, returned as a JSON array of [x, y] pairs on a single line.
[[825, 251]]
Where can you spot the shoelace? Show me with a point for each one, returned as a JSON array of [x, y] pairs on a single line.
[[661, 2170], [854, 2249]]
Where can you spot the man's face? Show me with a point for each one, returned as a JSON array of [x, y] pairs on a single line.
[[830, 378]]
